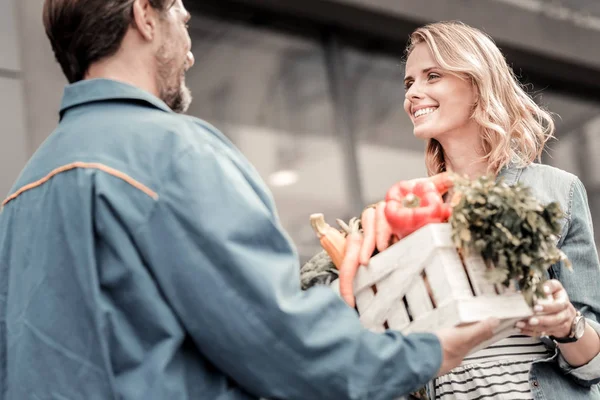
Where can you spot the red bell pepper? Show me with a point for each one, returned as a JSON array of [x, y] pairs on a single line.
[[413, 204]]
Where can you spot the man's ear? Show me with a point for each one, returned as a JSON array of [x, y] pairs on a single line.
[[145, 18]]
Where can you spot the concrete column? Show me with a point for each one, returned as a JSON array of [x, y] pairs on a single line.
[[13, 138], [43, 81]]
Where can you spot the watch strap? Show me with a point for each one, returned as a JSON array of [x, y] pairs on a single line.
[[572, 335]]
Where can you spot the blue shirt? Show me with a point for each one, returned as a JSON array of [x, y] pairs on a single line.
[[141, 257]]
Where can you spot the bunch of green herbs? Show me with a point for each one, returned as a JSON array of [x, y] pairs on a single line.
[[516, 235]]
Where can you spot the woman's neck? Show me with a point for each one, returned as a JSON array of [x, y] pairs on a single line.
[[464, 156]]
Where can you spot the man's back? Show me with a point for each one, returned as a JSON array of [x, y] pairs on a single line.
[[79, 299]]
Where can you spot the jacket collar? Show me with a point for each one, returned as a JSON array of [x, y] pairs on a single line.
[[510, 174], [95, 90]]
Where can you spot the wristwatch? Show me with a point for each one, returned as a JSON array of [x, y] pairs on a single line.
[[577, 330]]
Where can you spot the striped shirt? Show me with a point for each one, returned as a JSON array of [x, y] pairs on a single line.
[[500, 371]]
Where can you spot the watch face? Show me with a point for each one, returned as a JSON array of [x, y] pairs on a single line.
[[580, 328]]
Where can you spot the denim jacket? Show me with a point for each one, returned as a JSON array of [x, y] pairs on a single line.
[[554, 378]]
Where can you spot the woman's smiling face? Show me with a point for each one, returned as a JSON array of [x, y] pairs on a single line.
[[437, 102]]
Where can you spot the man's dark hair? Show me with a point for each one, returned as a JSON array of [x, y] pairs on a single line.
[[84, 31]]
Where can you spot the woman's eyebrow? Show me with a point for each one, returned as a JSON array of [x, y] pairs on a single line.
[[426, 70]]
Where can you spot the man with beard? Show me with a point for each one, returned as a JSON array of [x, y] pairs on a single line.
[[141, 256]]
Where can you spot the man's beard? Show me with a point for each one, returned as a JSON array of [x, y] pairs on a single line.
[[171, 83]]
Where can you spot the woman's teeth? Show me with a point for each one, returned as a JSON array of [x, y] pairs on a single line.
[[424, 111]]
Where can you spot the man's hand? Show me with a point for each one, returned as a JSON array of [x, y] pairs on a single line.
[[459, 341]]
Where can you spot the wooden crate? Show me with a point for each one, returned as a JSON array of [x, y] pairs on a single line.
[[422, 284]]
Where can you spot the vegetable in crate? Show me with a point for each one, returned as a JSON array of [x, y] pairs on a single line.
[[410, 205], [319, 270], [332, 240], [515, 234], [343, 251]]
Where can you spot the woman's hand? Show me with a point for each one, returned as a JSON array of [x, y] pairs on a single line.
[[553, 316]]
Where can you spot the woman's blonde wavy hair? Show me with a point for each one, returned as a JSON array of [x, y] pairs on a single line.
[[514, 128]]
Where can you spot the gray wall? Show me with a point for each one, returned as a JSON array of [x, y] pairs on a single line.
[[13, 143], [31, 82], [541, 26], [30, 86], [43, 81]]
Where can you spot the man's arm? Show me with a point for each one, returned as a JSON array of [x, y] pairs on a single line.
[[230, 273]]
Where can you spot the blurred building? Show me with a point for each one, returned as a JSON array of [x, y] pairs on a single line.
[[311, 91]]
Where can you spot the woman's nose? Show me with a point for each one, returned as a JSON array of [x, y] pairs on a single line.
[[413, 92]]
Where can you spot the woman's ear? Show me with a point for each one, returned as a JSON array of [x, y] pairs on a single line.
[[145, 18]]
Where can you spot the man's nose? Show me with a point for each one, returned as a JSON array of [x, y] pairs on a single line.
[[190, 59]]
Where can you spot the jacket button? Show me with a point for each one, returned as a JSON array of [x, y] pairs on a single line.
[[536, 384]]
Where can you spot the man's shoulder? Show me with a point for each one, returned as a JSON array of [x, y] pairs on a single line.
[[177, 130], [141, 145]]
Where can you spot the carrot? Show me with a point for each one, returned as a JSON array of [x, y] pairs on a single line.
[[350, 266], [332, 240], [382, 227], [368, 227]]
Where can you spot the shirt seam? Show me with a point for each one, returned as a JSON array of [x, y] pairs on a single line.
[[82, 165]]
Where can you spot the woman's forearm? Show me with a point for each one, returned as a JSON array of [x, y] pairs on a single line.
[[582, 351]]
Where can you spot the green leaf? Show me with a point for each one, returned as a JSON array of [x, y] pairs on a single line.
[[528, 295], [496, 275], [465, 235]]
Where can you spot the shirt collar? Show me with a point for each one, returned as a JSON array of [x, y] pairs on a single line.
[[93, 90]]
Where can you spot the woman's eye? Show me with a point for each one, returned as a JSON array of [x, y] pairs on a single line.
[[433, 76], [407, 85]]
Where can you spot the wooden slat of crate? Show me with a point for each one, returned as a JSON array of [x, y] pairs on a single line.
[[387, 301], [398, 319], [395, 271], [476, 268], [410, 254], [418, 299], [363, 299], [462, 311], [447, 276]]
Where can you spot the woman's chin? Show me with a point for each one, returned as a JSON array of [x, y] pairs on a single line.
[[423, 134]]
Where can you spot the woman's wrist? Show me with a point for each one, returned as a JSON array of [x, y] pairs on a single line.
[[583, 350], [574, 329]]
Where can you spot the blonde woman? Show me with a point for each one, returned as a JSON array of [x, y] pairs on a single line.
[[465, 101]]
